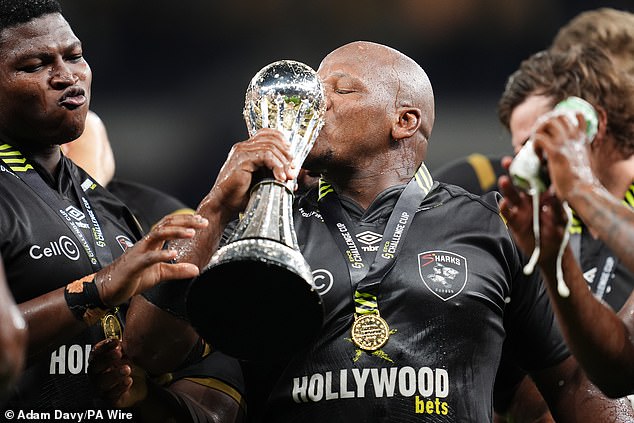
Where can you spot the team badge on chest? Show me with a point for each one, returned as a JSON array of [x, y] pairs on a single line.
[[124, 242], [444, 273]]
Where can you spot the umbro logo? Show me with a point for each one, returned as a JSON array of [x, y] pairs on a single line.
[[75, 213], [589, 275], [369, 238]]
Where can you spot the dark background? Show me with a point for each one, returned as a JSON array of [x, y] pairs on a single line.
[[170, 76]]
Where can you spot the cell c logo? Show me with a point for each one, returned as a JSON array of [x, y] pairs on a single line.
[[63, 246], [68, 247], [322, 281]]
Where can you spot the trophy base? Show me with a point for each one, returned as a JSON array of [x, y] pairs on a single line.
[[256, 302]]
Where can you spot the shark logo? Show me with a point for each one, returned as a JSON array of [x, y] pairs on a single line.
[[444, 273]]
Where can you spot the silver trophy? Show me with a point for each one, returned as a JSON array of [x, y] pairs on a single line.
[[256, 300]]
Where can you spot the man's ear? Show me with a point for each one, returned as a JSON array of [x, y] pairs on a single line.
[[407, 124], [602, 128]]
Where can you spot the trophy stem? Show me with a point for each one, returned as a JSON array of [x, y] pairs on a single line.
[[267, 215]]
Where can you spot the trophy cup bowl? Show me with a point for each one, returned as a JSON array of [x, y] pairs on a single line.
[[256, 301]]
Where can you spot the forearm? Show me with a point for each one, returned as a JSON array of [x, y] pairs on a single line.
[[155, 339], [201, 247], [607, 217], [572, 398], [595, 334]]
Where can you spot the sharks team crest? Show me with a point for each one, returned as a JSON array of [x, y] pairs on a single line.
[[443, 273]]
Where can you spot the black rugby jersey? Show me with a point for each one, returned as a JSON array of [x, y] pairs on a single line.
[[41, 253], [446, 301], [605, 274]]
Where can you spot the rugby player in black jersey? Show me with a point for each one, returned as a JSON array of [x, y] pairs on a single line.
[[599, 337], [92, 151], [542, 81], [602, 172], [613, 31], [68, 244], [445, 298]]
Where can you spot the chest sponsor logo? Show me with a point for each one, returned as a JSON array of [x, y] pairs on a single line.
[[370, 239], [444, 273], [124, 242], [71, 359], [322, 281], [64, 246], [427, 387]]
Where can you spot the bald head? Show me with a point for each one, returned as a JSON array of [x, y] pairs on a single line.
[[397, 76]]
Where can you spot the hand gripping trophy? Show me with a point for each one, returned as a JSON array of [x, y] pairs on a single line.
[[256, 301]]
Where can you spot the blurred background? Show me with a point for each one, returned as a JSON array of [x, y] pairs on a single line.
[[170, 77]]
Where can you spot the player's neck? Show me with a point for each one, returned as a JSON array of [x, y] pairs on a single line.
[[364, 186], [48, 157]]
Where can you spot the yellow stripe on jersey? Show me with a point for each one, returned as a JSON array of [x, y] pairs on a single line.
[[324, 189], [423, 178], [629, 196], [483, 169], [6, 157]]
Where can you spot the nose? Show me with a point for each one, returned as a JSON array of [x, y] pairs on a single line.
[[62, 76]]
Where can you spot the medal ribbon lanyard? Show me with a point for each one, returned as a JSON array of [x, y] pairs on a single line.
[[96, 248], [368, 277]]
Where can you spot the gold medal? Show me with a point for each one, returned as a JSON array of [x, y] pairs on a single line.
[[111, 326], [370, 331]]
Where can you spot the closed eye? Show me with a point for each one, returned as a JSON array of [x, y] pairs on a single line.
[[31, 67], [75, 58]]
